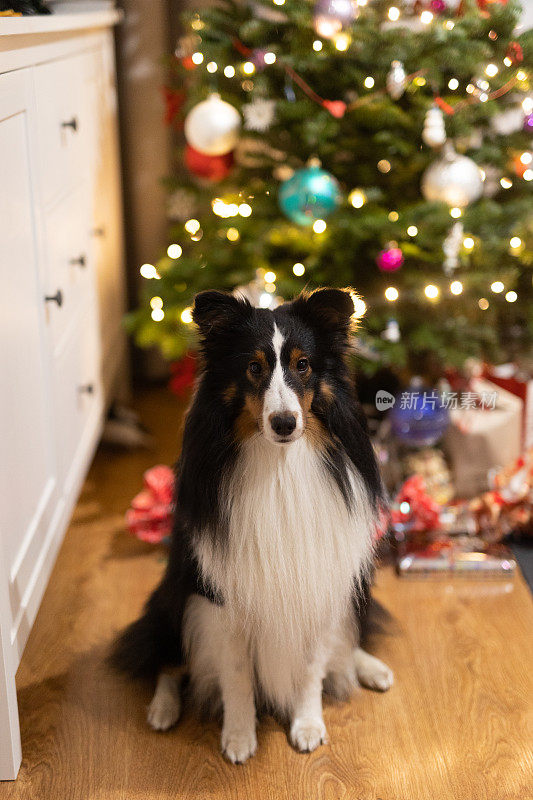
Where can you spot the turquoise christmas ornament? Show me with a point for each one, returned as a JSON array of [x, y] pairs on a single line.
[[312, 193]]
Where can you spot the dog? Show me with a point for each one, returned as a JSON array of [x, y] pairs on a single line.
[[277, 498]]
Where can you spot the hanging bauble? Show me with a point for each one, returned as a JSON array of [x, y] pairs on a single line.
[[259, 114], [390, 259], [212, 168], [419, 418], [392, 331], [528, 123], [438, 6], [515, 52], [310, 194], [451, 247], [396, 80], [434, 133], [212, 127], [331, 16], [453, 179]]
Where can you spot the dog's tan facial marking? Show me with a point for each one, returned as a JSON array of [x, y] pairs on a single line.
[[326, 392], [248, 421], [229, 394], [316, 432]]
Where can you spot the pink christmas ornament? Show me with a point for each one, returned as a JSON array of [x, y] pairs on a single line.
[[390, 259]]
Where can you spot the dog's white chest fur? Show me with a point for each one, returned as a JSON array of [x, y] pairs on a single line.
[[287, 571]]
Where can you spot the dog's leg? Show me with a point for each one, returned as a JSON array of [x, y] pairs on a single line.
[[307, 725], [239, 740], [165, 708], [371, 672]]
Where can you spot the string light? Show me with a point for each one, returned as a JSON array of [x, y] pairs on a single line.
[[521, 75], [359, 306], [527, 105], [174, 251], [483, 97], [470, 88], [192, 226], [186, 315], [468, 243], [298, 269], [528, 175], [483, 303], [431, 291], [515, 242], [317, 45], [319, 226], [384, 166], [156, 302], [212, 66], [248, 68], [269, 58], [342, 41], [453, 84], [278, 2], [270, 288], [245, 210], [265, 300], [483, 174], [455, 212], [511, 297], [412, 230], [426, 17], [394, 13], [456, 287], [491, 70], [507, 61], [357, 198], [157, 314], [497, 287], [229, 71], [197, 58], [526, 158], [148, 271], [506, 183], [197, 24], [419, 80], [270, 277], [393, 216], [391, 294], [369, 82], [232, 234]]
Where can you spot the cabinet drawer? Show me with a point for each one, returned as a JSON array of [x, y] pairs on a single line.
[[69, 269], [78, 395], [66, 105]]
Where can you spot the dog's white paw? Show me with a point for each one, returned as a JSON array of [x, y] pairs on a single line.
[[307, 734], [165, 708], [373, 673], [238, 744]]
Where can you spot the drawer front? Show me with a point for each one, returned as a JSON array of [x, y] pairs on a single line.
[[69, 270], [65, 92], [78, 394]]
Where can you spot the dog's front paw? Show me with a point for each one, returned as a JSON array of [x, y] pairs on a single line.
[[373, 673], [308, 734], [165, 708], [238, 744]]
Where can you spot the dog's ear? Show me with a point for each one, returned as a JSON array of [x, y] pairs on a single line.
[[213, 311], [330, 309]]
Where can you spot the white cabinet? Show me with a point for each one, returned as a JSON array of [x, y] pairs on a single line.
[[61, 303]]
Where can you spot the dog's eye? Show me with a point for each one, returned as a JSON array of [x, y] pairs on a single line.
[[255, 367], [302, 365]]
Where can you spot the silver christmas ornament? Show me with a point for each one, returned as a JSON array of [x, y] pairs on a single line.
[[331, 16], [396, 80], [434, 133], [451, 248], [212, 127], [259, 114], [453, 179]]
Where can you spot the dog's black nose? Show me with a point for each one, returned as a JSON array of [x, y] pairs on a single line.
[[283, 424]]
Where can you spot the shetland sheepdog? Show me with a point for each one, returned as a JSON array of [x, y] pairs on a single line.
[[277, 496]]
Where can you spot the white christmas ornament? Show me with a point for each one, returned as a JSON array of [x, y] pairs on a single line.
[[396, 80], [453, 179], [259, 114], [451, 247], [212, 127], [434, 133]]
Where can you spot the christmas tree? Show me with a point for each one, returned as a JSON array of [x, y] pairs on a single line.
[[378, 146]]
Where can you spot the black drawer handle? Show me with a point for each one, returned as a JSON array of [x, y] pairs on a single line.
[[55, 298], [71, 123], [81, 261], [86, 388]]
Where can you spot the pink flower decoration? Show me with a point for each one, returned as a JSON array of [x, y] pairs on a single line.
[[150, 515]]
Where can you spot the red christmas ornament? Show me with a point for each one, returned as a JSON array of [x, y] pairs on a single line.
[[519, 167], [337, 108], [212, 168], [187, 63], [183, 374], [515, 52], [484, 4], [173, 103]]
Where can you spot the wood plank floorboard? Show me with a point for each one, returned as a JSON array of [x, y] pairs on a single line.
[[457, 724]]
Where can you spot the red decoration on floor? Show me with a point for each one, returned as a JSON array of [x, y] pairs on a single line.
[[415, 508], [212, 168], [183, 374], [150, 515]]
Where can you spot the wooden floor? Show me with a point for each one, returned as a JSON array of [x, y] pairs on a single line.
[[457, 723]]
